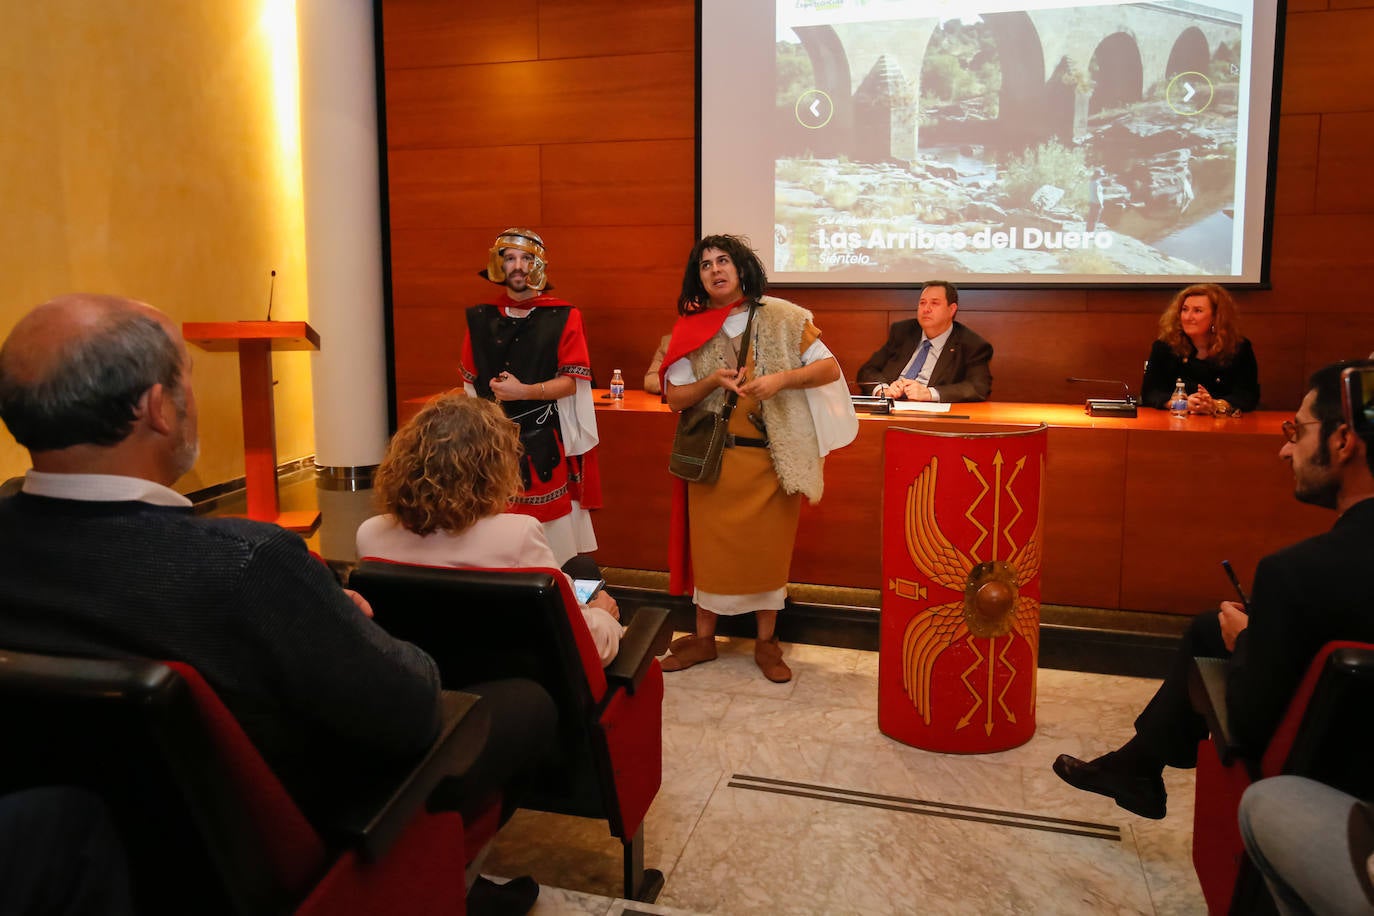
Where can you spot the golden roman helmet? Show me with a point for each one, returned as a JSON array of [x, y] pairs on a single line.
[[525, 240]]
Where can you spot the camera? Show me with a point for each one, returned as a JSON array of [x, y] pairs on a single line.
[[1357, 397]]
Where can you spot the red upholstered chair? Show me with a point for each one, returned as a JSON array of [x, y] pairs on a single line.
[[1324, 735], [207, 826], [484, 624]]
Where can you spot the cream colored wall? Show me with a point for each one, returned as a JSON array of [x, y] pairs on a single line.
[[141, 155]]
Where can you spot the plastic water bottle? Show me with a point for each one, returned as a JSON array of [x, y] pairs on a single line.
[[617, 386], [1178, 401]]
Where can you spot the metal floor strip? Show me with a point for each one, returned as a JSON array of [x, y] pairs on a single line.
[[970, 813]]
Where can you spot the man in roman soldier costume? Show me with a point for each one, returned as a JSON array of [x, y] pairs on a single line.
[[527, 351]]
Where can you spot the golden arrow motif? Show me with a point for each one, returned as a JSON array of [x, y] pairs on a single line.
[[994, 588]]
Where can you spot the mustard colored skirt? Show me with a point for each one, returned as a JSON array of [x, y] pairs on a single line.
[[742, 527]]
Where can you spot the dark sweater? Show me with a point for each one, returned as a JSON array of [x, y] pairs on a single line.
[[327, 696], [1236, 382]]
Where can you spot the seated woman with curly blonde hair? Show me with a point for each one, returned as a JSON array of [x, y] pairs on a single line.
[[1200, 343], [445, 483]]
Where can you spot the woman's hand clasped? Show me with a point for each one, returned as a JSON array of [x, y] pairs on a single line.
[[727, 379], [762, 387], [1201, 402]]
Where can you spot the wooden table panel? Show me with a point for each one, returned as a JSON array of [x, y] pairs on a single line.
[[1193, 501], [1085, 473], [1138, 512], [636, 488]]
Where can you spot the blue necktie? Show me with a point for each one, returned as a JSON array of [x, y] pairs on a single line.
[[921, 353]]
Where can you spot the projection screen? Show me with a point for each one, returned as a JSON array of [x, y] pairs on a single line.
[[879, 142]]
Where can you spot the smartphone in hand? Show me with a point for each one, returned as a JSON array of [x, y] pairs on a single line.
[[586, 589]]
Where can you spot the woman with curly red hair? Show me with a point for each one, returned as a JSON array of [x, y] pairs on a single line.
[[446, 483], [1200, 342]]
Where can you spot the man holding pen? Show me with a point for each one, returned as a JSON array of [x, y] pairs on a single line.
[[1304, 596]]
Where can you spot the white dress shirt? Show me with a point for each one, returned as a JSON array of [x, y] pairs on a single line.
[[101, 488]]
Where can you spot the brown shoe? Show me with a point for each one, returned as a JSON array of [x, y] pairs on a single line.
[[686, 651], [768, 656]]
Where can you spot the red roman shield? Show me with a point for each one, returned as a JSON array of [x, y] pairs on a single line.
[[961, 588]]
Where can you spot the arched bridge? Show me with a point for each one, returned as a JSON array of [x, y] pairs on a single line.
[[1058, 65]]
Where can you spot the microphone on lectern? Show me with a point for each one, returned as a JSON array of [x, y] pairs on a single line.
[[271, 288], [1125, 389]]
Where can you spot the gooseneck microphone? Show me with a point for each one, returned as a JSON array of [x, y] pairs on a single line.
[[1125, 389], [1108, 407], [271, 288]]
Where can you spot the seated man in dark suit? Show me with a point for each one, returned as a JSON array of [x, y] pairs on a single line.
[[931, 357], [1304, 596], [99, 557]]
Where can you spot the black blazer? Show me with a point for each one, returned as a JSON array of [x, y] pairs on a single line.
[[1304, 596], [963, 372], [1237, 382]]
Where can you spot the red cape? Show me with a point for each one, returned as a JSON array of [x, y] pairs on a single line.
[[689, 333]]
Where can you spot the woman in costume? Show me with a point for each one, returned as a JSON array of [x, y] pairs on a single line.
[[734, 536], [446, 483], [1200, 342]]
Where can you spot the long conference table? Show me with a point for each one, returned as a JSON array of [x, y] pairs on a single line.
[[1138, 513]]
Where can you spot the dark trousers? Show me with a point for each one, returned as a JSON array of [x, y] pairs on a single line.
[[521, 738], [60, 854], [1168, 725]]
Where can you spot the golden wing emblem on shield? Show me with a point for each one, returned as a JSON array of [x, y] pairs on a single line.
[[934, 630], [992, 605]]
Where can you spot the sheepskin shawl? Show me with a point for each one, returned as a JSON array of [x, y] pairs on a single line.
[[777, 335]]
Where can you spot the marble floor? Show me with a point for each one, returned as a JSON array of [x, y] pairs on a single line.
[[729, 843]]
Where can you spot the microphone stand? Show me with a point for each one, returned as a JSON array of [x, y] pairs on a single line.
[[1108, 407]]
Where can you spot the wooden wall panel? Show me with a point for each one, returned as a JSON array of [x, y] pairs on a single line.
[[1343, 184], [1296, 186], [623, 267], [1324, 260], [543, 101], [434, 188], [588, 136], [1326, 61], [1283, 341], [852, 336], [823, 299], [429, 341], [600, 28], [624, 339], [1339, 337], [441, 33], [439, 266], [618, 184]]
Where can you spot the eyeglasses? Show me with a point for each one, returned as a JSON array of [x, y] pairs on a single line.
[[1291, 427]]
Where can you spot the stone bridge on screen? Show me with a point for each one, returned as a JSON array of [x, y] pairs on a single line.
[[1057, 67]]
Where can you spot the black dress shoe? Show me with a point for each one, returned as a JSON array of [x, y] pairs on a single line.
[[514, 898], [1138, 794]]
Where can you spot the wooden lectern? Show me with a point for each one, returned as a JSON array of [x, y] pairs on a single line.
[[254, 341]]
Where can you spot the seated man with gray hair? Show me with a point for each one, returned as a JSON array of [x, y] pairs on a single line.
[[99, 557]]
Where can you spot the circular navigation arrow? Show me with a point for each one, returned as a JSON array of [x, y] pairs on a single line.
[[1189, 93], [814, 109]]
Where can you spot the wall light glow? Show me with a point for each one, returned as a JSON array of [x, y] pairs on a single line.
[[278, 22]]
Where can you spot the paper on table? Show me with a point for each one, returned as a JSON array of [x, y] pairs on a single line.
[[920, 407]]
